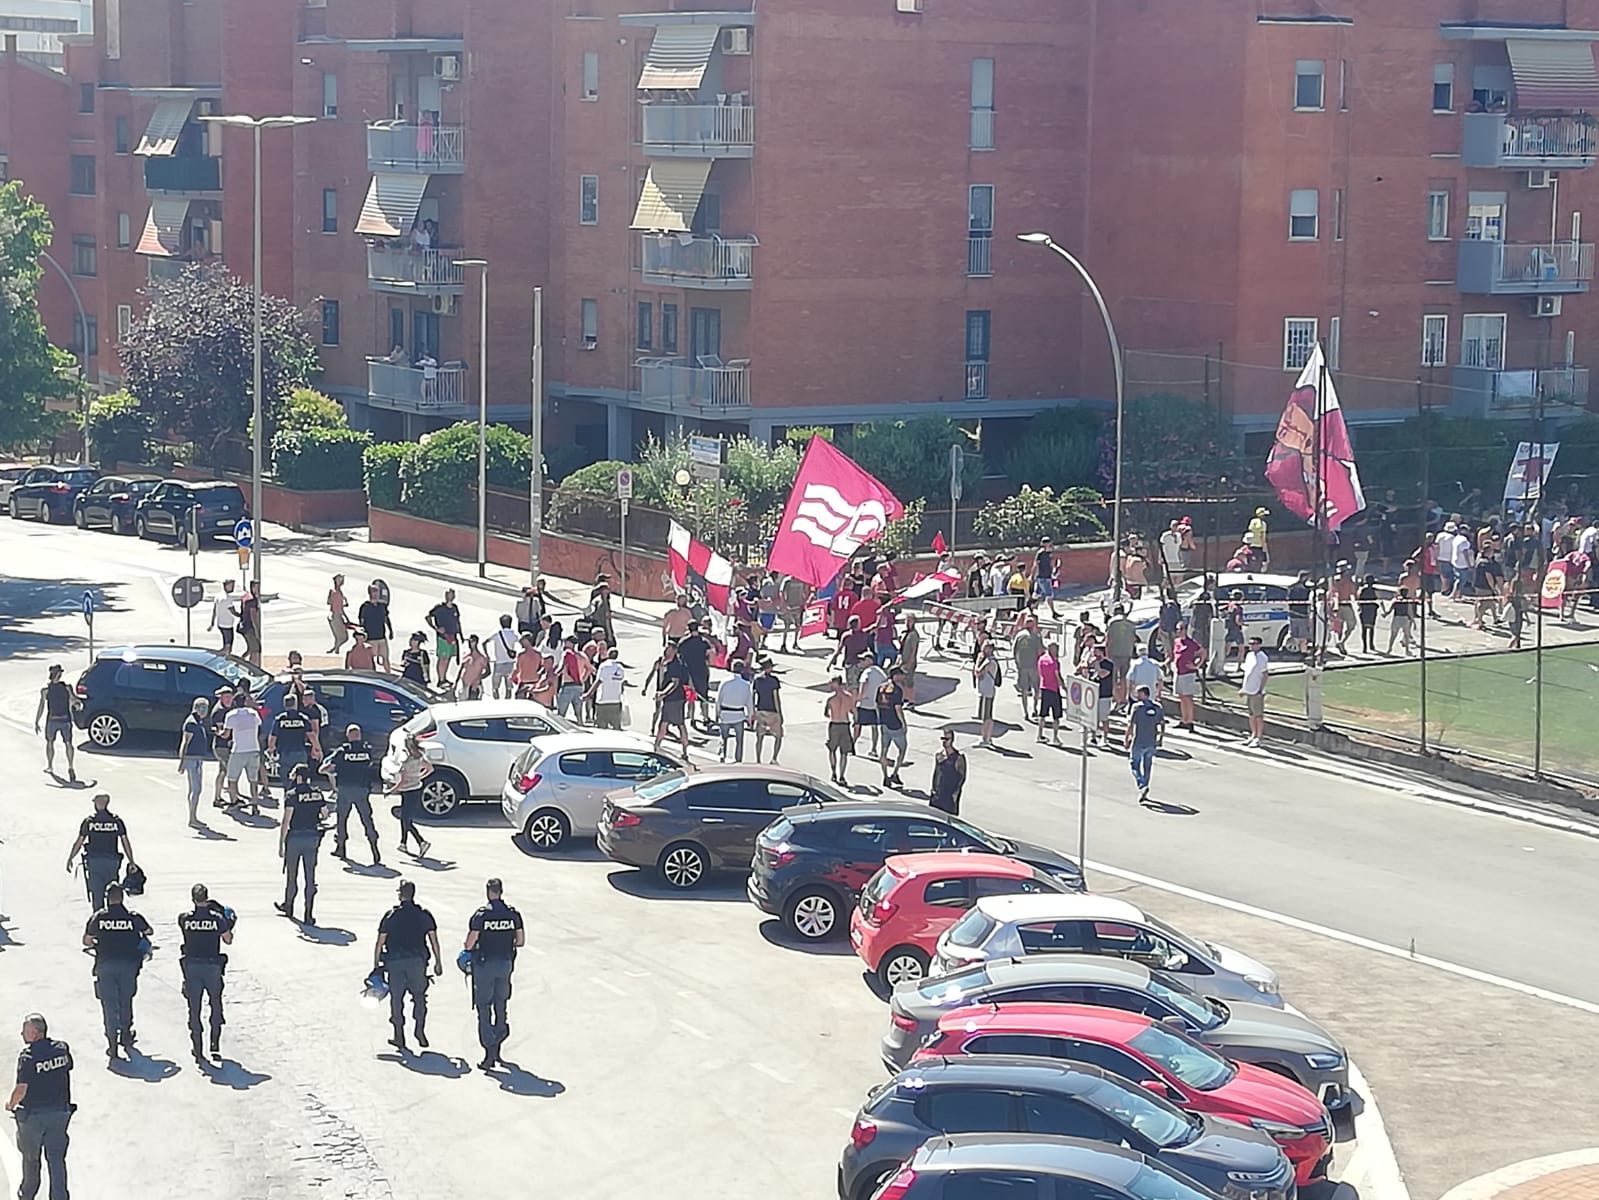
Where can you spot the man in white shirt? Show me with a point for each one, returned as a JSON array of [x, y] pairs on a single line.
[[998, 579], [1253, 689], [1464, 560], [735, 700], [503, 649], [225, 615], [610, 679], [1171, 554], [1144, 672], [243, 724], [872, 678]]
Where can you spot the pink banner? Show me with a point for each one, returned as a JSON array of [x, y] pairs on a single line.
[[834, 509]]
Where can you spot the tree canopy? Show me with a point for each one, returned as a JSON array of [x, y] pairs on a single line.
[[31, 369]]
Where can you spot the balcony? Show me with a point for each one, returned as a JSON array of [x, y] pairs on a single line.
[[1552, 143], [699, 130], [1483, 392], [1486, 268], [406, 389], [195, 175], [977, 380], [980, 254], [424, 149], [711, 263], [429, 272], [982, 129], [711, 390]]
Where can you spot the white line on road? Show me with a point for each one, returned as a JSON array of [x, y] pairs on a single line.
[[1351, 939], [607, 985], [690, 1029], [1373, 1170], [771, 1074]]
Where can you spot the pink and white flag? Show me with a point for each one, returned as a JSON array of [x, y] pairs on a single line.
[[834, 510], [693, 563], [1292, 467]]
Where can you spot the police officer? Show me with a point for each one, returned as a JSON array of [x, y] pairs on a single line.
[[205, 928], [99, 838], [299, 837], [118, 939], [353, 768], [493, 936], [42, 1104], [405, 934], [290, 737]]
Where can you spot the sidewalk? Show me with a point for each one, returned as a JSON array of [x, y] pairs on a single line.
[[1573, 1175]]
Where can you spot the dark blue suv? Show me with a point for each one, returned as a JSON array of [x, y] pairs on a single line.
[[48, 493], [163, 515]]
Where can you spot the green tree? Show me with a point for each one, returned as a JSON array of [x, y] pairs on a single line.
[[306, 408], [189, 357], [911, 458], [120, 431], [1176, 447], [31, 369], [1034, 514], [439, 481], [1058, 448]]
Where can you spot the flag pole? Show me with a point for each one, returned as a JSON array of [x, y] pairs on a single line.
[[1318, 628]]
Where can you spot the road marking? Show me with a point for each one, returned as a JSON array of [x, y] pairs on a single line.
[[845, 1113], [159, 780], [1351, 939], [771, 1074], [687, 1028], [607, 985]]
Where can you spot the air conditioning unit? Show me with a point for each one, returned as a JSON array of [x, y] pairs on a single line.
[[590, 341], [908, 6], [1545, 306], [736, 40], [1540, 179], [447, 306], [216, 237], [447, 66]]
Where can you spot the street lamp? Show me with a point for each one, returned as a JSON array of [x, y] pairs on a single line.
[[240, 121], [1043, 239], [482, 412], [83, 348]]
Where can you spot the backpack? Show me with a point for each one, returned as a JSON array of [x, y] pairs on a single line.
[[999, 674]]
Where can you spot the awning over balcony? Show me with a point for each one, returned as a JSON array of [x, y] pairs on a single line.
[[163, 228], [1553, 74], [166, 126], [671, 195], [391, 205], [678, 56]]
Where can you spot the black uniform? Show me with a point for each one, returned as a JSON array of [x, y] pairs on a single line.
[[118, 955], [302, 813], [45, 1067], [203, 963], [496, 925], [405, 956], [102, 834], [354, 767], [292, 730]]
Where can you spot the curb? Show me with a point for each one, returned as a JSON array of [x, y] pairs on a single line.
[[1484, 1187]]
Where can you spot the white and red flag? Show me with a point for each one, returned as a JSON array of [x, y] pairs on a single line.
[[696, 565], [1311, 462], [930, 585], [834, 510]]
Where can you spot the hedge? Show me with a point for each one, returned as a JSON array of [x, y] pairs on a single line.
[[382, 469], [439, 479], [319, 460]]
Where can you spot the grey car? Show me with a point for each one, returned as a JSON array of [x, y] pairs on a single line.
[[1281, 1041], [1017, 1094], [557, 786]]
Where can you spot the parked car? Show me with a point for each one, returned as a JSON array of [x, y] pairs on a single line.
[[1273, 1038], [810, 866], [376, 702], [152, 689], [471, 743], [913, 898], [110, 501], [10, 474], [1264, 600], [557, 786], [163, 514], [1152, 1055], [48, 492], [1017, 926], [1006, 1094], [686, 825]]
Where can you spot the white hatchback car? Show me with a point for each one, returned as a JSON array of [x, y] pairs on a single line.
[[1083, 923], [556, 787], [470, 744]]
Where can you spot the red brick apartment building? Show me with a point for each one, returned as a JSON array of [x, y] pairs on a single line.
[[805, 211]]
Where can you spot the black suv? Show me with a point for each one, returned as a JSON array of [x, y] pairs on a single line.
[[378, 703], [163, 515], [812, 862], [152, 689]]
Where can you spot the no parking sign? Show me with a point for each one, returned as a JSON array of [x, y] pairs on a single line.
[[1081, 701]]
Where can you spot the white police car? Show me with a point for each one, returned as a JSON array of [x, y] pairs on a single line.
[[1264, 597]]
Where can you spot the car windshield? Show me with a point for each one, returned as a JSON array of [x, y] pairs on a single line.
[[660, 787], [79, 478], [1150, 1184], [972, 929], [1158, 1120], [877, 887], [1188, 1060], [979, 835], [1198, 1010], [1180, 939], [951, 991]]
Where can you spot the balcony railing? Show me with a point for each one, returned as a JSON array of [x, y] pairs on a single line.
[[1554, 143], [977, 381], [183, 174], [699, 130], [405, 271], [411, 389], [428, 149], [982, 129], [979, 253], [1481, 392], [1486, 268], [702, 262], [705, 388]]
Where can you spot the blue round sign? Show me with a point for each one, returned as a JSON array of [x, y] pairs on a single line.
[[244, 534]]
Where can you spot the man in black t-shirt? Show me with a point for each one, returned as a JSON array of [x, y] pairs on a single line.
[[353, 767], [493, 936], [299, 838], [290, 737], [1105, 675], [205, 928], [118, 938], [672, 680], [42, 1104], [694, 653], [374, 619], [768, 710], [405, 934], [891, 724]]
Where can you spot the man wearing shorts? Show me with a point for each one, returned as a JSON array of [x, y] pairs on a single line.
[[796, 595], [1253, 689], [671, 697], [221, 747], [1105, 676], [1025, 648], [766, 606], [768, 710], [866, 687], [445, 620], [243, 726], [891, 719], [55, 707], [1044, 574], [1121, 638], [1049, 705], [225, 615], [374, 620], [839, 708], [1188, 656]]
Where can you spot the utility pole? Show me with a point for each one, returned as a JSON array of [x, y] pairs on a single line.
[[535, 491], [1426, 488]]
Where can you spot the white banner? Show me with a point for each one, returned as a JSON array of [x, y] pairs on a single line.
[[1529, 470]]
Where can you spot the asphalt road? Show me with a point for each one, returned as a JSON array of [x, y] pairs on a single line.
[[633, 1004]]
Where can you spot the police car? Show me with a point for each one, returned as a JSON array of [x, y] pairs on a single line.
[[1264, 597]]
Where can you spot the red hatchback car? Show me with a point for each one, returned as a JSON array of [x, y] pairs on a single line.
[[913, 898], [1153, 1055]]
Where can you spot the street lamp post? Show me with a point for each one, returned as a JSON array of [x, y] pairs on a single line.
[[1043, 239], [258, 423], [83, 347], [535, 523], [482, 412]]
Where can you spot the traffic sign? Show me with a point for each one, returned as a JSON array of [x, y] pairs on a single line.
[[624, 483], [88, 607], [382, 590], [705, 450], [1082, 701], [187, 591], [244, 534]]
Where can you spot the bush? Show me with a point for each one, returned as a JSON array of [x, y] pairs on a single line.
[[596, 479], [319, 459], [900, 537], [120, 430], [1058, 449], [307, 408], [439, 480], [563, 459], [911, 458], [1031, 515], [381, 464]]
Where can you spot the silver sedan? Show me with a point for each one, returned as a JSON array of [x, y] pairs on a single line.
[[555, 787]]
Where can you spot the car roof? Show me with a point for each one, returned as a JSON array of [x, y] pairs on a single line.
[[459, 710], [1073, 968], [955, 862], [205, 483], [129, 478], [1003, 1070], [1098, 1162], [337, 675], [1080, 1020], [561, 743], [1059, 906], [164, 653], [851, 810], [751, 771]]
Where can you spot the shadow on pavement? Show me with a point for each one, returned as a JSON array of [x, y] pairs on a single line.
[[1175, 810], [576, 849], [645, 886], [205, 833], [229, 1073], [142, 1066], [515, 1080], [430, 1062], [23, 601], [777, 934], [324, 936], [371, 870]]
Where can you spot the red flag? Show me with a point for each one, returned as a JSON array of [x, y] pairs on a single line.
[[834, 509], [814, 619], [939, 544], [691, 559], [1292, 468]]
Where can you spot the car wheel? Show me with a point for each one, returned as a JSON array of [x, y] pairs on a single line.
[[683, 866], [141, 527], [902, 964], [812, 915], [548, 829], [79, 519], [14, 509], [45, 515], [106, 730], [118, 525], [442, 793]]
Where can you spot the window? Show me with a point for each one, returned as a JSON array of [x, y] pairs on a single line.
[[1434, 337], [669, 328], [960, 1110], [1338, 214], [1299, 336], [1303, 204], [1482, 341], [83, 255], [1343, 85], [396, 328], [82, 175], [124, 321], [955, 892], [591, 75], [1065, 1118], [330, 210], [1309, 84], [1035, 1045], [588, 200], [1438, 216], [590, 313], [1485, 216], [980, 229], [1117, 1062], [141, 677], [978, 328], [86, 97], [86, 335], [1443, 87], [5, 169], [330, 94], [124, 231], [1490, 86], [982, 104], [1011, 1184], [330, 322], [646, 325], [1334, 341], [122, 135]]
